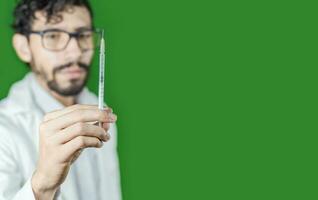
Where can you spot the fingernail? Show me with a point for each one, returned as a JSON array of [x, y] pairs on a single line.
[[113, 117], [108, 110], [104, 137], [107, 136]]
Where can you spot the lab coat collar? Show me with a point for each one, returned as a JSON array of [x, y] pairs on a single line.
[[27, 95], [48, 103]]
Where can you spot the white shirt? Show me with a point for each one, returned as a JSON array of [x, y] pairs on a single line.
[[93, 176]]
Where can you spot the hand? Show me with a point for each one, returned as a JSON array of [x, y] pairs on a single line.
[[63, 135]]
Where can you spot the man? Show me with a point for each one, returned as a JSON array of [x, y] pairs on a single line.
[[49, 124]]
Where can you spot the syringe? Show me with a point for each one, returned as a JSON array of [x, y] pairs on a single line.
[[101, 73]]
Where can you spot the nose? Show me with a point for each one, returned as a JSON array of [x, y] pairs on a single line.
[[73, 50]]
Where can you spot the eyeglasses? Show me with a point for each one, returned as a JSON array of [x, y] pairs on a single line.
[[57, 39]]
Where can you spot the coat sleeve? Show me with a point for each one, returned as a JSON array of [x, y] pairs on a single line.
[[12, 185]]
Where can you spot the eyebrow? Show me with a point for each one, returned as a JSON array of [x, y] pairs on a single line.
[[84, 28], [81, 28]]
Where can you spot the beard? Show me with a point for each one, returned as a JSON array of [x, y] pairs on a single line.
[[76, 85]]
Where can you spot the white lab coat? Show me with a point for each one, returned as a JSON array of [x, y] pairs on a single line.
[[93, 176]]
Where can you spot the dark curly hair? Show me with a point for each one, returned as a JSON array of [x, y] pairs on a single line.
[[24, 12]]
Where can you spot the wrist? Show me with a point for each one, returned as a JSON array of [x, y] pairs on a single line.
[[40, 187]]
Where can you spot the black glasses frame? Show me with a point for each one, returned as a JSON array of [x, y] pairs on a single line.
[[71, 35]]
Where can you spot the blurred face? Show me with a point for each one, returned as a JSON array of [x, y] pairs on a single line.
[[63, 71]]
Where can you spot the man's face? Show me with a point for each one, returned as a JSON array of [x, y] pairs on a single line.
[[65, 71]]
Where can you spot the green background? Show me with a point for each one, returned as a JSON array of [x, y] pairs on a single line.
[[215, 99]]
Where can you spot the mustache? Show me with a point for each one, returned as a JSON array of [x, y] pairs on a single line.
[[61, 67]]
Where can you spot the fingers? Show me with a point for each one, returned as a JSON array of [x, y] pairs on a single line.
[[80, 142], [106, 126], [80, 129], [58, 113], [80, 115], [76, 155]]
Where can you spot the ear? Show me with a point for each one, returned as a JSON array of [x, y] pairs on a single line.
[[21, 46]]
